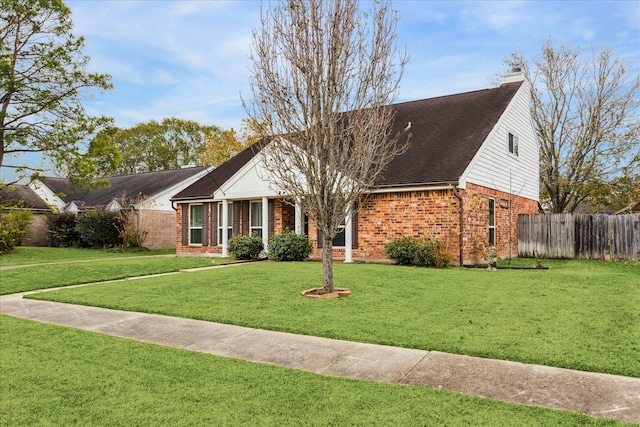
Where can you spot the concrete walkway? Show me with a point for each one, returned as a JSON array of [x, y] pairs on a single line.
[[598, 395]]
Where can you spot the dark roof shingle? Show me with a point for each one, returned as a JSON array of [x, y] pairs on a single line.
[[128, 186], [446, 132]]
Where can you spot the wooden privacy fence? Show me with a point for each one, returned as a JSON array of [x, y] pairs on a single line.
[[567, 235]]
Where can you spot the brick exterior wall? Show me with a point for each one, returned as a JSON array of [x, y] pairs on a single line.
[[160, 226], [436, 215], [431, 214]]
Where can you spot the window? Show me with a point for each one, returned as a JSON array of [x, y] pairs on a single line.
[[513, 144], [256, 218], [340, 239], [195, 224], [492, 222], [229, 222]]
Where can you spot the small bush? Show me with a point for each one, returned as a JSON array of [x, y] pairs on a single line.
[[420, 252], [245, 247], [289, 246], [14, 228], [100, 229], [61, 228]]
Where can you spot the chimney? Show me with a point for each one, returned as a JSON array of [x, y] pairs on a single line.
[[515, 75]]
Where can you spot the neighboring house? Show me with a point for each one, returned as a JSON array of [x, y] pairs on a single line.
[[23, 197], [471, 167], [146, 196]]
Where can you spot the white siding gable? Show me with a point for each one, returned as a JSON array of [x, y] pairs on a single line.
[[495, 167], [46, 194], [162, 201], [247, 183]]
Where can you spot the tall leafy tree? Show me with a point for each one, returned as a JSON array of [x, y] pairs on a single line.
[[43, 80], [154, 146], [313, 61], [220, 146], [585, 110]]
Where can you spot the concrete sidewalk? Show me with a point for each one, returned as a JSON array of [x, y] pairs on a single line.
[[598, 395]]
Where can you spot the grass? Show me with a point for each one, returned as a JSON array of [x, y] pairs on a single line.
[[39, 255], [578, 314], [53, 376], [55, 275]]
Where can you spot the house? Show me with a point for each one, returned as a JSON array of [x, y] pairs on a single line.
[[146, 196], [23, 197], [471, 167]]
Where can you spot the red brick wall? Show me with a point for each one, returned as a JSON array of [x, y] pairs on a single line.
[[421, 214], [476, 219], [435, 215]]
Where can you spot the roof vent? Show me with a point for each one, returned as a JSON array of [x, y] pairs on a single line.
[[516, 70]]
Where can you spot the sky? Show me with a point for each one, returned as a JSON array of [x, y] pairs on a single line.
[[189, 58]]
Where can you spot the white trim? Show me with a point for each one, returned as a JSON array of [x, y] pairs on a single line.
[[298, 219], [265, 222], [348, 239], [414, 188], [191, 227], [225, 227]]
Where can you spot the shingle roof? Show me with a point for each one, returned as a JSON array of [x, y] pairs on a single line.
[[130, 186], [23, 196], [446, 132], [208, 184]]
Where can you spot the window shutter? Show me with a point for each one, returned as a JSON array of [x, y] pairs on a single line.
[[214, 224], [272, 213], [354, 229], [205, 224], [236, 218], [319, 236], [245, 218], [185, 224]]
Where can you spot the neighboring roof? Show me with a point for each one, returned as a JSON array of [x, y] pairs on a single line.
[[446, 133], [22, 196], [131, 186]]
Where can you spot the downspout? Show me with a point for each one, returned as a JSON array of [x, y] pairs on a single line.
[[461, 241]]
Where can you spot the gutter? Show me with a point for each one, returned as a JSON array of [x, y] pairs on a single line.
[[461, 241]]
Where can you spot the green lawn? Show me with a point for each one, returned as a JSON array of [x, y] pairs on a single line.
[[56, 376], [38, 255], [578, 314]]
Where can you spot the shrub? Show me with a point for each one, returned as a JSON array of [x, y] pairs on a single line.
[[100, 229], [61, 228], [420, 252], [14, 227], [289, 246], [245, 247]]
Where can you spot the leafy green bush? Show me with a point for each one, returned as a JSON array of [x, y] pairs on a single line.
[[100, 229], [245, 247], [289, 246], [420, 252], [61, 228], [14, 227]]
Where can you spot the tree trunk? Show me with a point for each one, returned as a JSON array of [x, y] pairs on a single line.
[[327, 264]]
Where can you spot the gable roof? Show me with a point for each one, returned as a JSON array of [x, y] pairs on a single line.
[[446, 133], [22, 196], [131, 186], [208, 184]]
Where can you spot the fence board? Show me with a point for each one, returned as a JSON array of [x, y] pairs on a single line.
[[592, 236]]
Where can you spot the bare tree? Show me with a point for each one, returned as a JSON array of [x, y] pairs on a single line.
[[324, 74], [585, 111]]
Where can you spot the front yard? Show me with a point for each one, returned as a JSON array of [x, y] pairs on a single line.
[[578, 314]]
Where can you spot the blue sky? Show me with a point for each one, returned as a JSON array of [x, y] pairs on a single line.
[[189, 59]]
